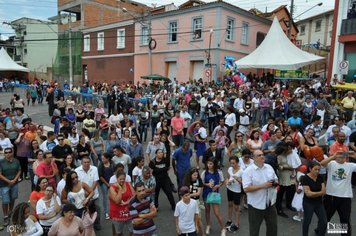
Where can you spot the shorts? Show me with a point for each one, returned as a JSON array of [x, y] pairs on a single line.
[[9, 193], [119, 226], [233, 197]]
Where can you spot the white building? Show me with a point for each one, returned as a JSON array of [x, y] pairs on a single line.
[[36, 45], [316, 30]]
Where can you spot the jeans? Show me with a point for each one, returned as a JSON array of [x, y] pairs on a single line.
[[143, 132], [309, 209], [178, 140], [32, 175], [105, 192], [256, 216], [265, 115], [342, 206]]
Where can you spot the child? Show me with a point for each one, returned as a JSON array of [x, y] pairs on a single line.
[[137, 171], [89, 217], [221, 141], [297, 202]]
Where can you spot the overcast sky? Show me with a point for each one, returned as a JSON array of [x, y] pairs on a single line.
[[42, 9]]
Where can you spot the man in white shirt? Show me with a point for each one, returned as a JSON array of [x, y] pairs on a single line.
[[203, 102], [89, 174], [187, 118], [338, 187], [259, 181], [256, 108], [339, 122]]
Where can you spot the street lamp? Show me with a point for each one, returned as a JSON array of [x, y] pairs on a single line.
[[317, 5], [149, 28], [291, 15]]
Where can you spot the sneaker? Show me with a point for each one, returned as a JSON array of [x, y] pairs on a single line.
[[233, 228], [6, 221], [207, 230], [19, 180], [107, 217], [297, 218], [27, 178], [2, 227], [223, 232], [292, 208], [245, 206], [228, 223]]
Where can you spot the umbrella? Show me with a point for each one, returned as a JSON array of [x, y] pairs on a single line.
[[156, 77]]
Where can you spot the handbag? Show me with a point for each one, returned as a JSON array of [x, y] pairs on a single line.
[[213, 198]]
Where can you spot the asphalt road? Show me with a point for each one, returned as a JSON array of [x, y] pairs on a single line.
[[165, 220]]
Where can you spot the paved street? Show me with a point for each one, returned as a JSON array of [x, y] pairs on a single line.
[[165, 220]]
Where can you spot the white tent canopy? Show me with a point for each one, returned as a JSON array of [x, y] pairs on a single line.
[[7, 64], [277, 52]]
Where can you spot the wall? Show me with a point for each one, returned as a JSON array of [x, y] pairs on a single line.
[[187, 50], [40, 54]]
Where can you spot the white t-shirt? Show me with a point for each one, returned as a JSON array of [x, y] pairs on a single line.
[[5, 143], [186, 213], [137, 171], [230, 119], [41, 208], [60, 186], [202, 132], [233, 185], [113, 179], [124, 159], [89, 177], [256, 102], [242, 164], [339, 179]]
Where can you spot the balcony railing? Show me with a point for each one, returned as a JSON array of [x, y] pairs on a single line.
[[348, 26]]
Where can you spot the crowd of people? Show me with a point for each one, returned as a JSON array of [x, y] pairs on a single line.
[[112, 148]]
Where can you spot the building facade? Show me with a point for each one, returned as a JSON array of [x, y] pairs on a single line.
[[343, 41], [92, 31], [194, 38], [316, 30], [36, 45]]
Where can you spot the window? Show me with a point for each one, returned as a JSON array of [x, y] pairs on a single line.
[[144, 36], [120, 38], [101, 41], [302, 30], [244, 33], [197, 28], [173, 29], [86, 43], [317, 25], [230, 29]]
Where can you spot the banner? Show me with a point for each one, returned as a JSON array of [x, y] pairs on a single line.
[[292, 74]]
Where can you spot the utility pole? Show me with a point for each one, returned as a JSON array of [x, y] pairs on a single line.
[[291, 19], [149, 48], [70, 52]]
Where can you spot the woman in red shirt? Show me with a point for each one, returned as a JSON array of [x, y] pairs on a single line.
[[120, 195], [38, 193]]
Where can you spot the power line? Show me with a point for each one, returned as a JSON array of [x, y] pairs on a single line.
[[129, 36]]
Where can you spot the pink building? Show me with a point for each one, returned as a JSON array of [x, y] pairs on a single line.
[[184, 37]]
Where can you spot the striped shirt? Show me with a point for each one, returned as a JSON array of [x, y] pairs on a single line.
[[142, 207]]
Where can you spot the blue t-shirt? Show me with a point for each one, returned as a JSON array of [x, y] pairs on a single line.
[[295, 121], [182, 160]]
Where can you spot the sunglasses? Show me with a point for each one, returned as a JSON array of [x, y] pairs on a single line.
[[60, 139], [7, 152]]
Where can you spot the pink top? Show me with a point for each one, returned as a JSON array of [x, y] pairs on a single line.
[[98, 113], [74, 229], [177, 124]]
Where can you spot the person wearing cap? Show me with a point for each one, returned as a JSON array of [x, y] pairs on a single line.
[[186, 214], [244, 122], [338, 187]]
